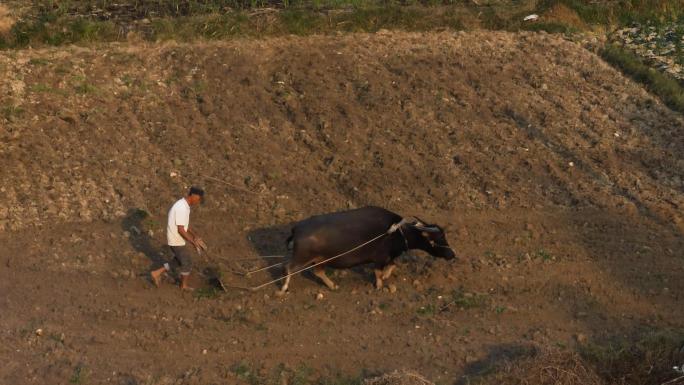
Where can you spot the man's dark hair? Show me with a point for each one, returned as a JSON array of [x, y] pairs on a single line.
[[196, 191]]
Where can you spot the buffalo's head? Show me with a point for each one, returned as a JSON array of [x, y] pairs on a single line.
[[431, 238]]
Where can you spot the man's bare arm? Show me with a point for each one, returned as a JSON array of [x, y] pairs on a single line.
[[187, 235]]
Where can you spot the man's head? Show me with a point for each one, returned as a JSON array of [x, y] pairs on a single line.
[[195, 196]]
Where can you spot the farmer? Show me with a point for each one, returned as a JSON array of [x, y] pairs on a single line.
[[179, 234]]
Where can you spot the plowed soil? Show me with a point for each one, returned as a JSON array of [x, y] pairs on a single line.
[[558, 180]]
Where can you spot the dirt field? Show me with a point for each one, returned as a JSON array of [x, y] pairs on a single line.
[[559, 181]]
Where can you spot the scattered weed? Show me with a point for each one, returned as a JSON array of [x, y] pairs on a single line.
[[648, 358], [78, 377], [426, 311], [12, 112], [301, 375], [38, 62], [468, 300], [82, 86], [207, 292], [245, 372], [40, 87], [545, 255]]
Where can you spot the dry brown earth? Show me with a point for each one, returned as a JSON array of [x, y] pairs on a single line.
[[558, 180]]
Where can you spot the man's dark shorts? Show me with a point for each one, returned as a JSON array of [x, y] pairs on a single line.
[[182, 255]]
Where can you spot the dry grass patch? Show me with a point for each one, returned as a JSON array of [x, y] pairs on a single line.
[[6, 20], [398, 378]]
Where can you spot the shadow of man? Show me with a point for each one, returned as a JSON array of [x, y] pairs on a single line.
[[136, 223]]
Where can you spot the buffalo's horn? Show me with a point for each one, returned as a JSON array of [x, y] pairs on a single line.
[[429, 229], [410, 220]]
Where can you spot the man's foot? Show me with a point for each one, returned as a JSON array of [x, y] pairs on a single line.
[[185, 283], [156, 276]]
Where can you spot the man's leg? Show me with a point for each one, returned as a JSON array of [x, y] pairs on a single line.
[[182, 254], [156, 273]]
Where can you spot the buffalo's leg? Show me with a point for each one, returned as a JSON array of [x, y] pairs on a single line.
[[387, 271], [283, 289], [319, 271], [378, 278]]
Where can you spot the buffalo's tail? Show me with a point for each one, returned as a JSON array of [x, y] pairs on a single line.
[[289, 243]]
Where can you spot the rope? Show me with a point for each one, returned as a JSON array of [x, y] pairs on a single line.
[[248, 273]]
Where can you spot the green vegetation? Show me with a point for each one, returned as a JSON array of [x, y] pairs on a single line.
[[465, 300], [620, 12], [52, 22], [82, 86], [78, 376], [40, 88], [246, 373], [301, 375], [11, 112], [38, 62], [545, 255], [426, 311], [664, 86], [647, 359], [206, 292]]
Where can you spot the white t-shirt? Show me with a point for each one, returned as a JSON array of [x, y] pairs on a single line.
[[179, 215]]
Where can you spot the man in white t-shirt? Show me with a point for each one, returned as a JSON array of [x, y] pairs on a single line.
[[179, 234]]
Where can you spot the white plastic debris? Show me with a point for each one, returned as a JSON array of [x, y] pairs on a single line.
[[531, 17]]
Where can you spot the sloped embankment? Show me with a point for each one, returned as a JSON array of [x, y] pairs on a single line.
[[430, 121]]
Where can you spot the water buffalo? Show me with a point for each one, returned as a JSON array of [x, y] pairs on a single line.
[[320, 237]]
